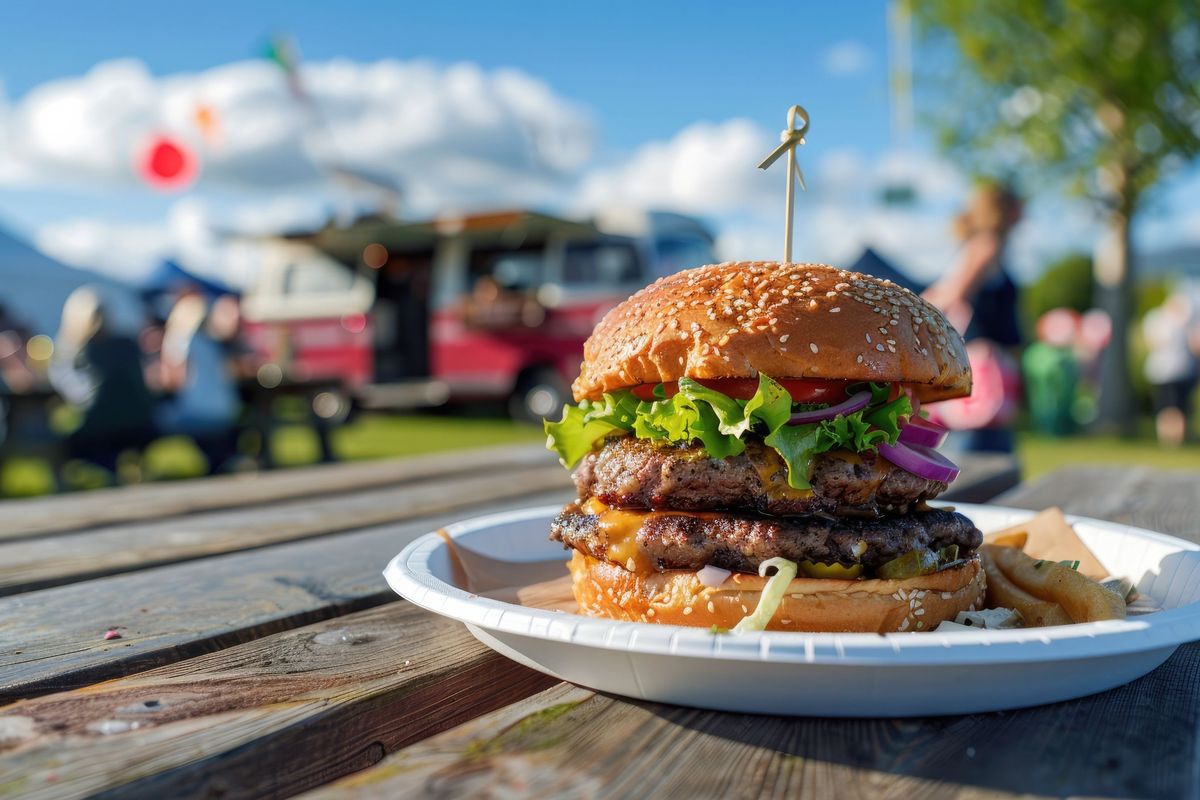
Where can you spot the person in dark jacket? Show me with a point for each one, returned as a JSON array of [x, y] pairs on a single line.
[[98, 371], [979, 297]]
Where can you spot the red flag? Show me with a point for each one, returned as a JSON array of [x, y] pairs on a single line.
[[166, 163]]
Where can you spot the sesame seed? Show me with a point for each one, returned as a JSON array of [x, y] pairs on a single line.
[[879, 347], [868, 338], [650, 612], [711, 607], [785, 337], [687, 610], [835, 309], [859, 359], [812, 346]]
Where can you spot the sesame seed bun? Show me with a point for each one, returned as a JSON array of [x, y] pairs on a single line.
[[677, 597], [738, 319]]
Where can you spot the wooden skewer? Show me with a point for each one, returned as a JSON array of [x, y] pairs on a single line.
[[788, 141]]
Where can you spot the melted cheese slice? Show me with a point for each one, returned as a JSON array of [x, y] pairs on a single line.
[[619, 528], [772, 474]]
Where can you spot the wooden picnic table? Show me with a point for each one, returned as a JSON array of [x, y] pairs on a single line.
[[233, 637]]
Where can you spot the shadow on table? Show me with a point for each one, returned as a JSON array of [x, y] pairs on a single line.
[[1138, 740]]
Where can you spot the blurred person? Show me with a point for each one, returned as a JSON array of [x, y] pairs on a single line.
[[224, 326], [15, 374], [203, 401], [1171, 365], [1051, 370], [979, 298], [98, 372]]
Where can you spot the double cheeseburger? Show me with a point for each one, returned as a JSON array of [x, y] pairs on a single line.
[[749, 454]]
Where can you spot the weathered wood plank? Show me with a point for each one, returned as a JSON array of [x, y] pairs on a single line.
[[1161, 500], [264, 719], [983, 476], [55, 560], [1139, 740], [53, 639], [40, 515], [567, 742]]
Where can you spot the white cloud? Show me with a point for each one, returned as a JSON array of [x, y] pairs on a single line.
[[449, 136], [706, 168], [203, 237], [709, 169], [126, 252], [849, 57]]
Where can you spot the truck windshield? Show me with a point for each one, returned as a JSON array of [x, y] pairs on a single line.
[[682, 252], [600, 263]]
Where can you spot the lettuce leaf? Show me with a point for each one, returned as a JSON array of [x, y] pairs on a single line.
[[584, 426], [720, 423], [796, 445]]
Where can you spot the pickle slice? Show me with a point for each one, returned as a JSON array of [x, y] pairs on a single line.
[[812, 569], [909, 565]]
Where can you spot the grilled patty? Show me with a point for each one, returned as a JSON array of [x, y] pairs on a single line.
[[741, 543], [637, 473]]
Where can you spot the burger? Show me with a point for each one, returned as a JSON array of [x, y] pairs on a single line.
[[749, 453]]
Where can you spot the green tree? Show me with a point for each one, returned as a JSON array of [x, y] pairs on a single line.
[[1102, 95], [1066, 283]]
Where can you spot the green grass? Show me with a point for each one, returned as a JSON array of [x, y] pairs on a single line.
[[1040, 454], [391, 436], [369, 436]]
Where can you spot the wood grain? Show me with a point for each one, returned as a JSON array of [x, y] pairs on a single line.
[[41, 515], [66, 558], [983, 476], [567, 742], [1139, 740], [46, 561], [265, 719], [1161, 500], [53, 639]]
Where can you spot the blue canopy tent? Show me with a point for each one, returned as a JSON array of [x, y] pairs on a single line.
[[33, 287], [169, 277], [871, 263]]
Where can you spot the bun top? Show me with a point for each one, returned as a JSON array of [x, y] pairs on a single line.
[[738, 319]]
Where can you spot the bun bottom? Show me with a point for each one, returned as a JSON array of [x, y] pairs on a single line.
[[677, 597]]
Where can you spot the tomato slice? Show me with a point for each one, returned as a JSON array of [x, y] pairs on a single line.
[[808, 390]]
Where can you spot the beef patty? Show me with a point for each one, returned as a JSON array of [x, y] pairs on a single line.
[[637, 473], [741, 543]]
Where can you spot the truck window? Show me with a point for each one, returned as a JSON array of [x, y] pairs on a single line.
[[674, 253], [316, 277], [600, 264]]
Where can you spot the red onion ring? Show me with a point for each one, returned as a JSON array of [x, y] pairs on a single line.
[[849, 406], [924, 462], [923, 432]]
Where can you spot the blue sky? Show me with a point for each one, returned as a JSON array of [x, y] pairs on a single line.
[[642, 78], [645, 69]]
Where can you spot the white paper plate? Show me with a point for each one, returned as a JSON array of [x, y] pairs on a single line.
[[816, 674]]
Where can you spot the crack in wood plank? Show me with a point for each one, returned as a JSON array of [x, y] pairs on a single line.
[[265, 719]]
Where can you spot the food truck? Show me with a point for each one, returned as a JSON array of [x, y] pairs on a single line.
[[482, 307]]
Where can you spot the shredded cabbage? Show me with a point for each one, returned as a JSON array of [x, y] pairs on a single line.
[[771, 595]]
